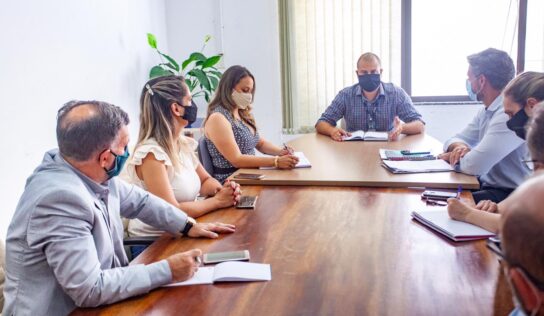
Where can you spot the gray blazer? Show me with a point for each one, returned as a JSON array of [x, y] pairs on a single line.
[[64, 246]]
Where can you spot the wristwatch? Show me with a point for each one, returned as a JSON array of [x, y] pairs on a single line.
[[188, 225]]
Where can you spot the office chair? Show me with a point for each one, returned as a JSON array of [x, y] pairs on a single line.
[[204, 155]]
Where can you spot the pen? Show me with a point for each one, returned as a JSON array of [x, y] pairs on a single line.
[[198, 261], [289, 149], [407, 152], [459, 189]]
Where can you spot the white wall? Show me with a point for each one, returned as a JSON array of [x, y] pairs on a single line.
[[247, 33], [443, 121], [55, 51]]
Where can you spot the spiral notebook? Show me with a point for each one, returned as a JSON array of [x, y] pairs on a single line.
[[231, 271]]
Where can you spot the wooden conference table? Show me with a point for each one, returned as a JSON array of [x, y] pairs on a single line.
[[333, 251], [357, 163]]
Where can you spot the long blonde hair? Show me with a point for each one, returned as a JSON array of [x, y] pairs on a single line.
[[156, 118]]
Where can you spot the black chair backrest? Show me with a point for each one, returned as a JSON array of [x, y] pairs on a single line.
[[204, 155]]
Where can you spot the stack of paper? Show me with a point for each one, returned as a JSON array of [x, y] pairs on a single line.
[[368, 136], [439, 220], [303, 162], [231, 271], [423, 166]]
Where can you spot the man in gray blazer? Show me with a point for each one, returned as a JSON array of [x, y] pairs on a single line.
[[64, 245]]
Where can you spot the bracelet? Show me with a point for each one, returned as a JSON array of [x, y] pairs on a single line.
[[276, 161]]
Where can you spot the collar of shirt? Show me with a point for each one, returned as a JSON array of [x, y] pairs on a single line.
[[495, 105], [358, 91], [101, 190]]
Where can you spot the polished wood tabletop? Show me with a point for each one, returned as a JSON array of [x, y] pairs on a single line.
[[333, 251], [358, 163]]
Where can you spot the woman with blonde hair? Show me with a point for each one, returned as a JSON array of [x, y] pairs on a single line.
[[164, 161], [231, 131]]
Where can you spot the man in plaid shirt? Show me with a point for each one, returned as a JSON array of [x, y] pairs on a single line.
[[371, 105]]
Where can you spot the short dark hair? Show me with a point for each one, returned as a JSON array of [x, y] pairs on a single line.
[[497, 67], [78, 138]]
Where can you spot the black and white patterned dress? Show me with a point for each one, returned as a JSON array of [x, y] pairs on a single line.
[[245, 140]]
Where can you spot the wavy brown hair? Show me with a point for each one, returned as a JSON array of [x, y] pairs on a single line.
[[223, 95], [156, 118]]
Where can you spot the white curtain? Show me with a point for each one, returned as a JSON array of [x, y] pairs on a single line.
[[325, 39]]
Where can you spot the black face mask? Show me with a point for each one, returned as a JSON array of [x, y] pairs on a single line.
[[369, 82], [190, 113], [518, 122]]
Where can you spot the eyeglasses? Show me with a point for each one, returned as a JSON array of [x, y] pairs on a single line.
[[494, 245]]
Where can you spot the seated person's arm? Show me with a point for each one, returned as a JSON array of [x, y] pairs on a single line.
[[457, 146], [497, 143], [62, 226], [268, 148], [219, 132], [153, 174], [407, 113], [326, 124], [462, 212]]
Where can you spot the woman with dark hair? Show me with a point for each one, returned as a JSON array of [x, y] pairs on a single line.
[[231, 132]]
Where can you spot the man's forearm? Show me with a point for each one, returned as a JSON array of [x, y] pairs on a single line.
[[414, 127], [324, 128]]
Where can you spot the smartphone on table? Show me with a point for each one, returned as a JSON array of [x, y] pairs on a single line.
[[247, 201], [215, 257], [438, 195], [249, 176]]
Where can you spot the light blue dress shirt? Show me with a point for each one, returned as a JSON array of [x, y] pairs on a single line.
[[496, 154]]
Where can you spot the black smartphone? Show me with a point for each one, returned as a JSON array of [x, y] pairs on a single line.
[[250, 176], [247, 201], [438, 195]]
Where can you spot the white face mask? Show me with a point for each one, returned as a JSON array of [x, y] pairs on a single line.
[[242, 100]]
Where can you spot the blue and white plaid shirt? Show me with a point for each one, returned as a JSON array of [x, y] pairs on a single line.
[[379, 114]]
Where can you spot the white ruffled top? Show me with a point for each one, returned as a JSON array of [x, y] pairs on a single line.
[[184, 182]]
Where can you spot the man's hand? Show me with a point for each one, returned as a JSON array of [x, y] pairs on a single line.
[[397, 129], [183, 265], [458, 153], [210, 230], [488, 206], [338, 134]]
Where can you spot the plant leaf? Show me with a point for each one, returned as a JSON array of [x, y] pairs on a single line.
[[171, 60], [198, 56], [217, 73], [214, 82], [202, 78], [158, 71], [211, 61], [151, 40]]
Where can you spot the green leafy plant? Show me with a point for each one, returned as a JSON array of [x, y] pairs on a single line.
[[200, 73]]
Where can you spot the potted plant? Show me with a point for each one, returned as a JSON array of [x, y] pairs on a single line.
[[199, 71]]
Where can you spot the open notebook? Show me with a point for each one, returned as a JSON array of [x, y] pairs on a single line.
[[368, 136], [303, 162], [424, 166], [439, 220], [230, 271]]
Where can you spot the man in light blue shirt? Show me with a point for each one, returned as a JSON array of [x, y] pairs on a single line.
[[64, 246], [486, 147]]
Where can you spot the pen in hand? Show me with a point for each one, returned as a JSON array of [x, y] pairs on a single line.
[[459, 189], [289, 149]]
